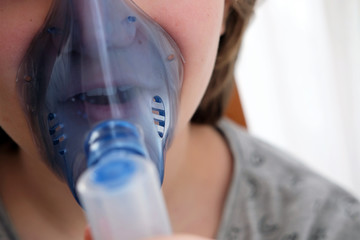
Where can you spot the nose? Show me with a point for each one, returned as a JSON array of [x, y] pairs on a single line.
[[103, 24]]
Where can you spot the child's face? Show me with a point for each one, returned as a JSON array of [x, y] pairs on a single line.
[[194, 24]]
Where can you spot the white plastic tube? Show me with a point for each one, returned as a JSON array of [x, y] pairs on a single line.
[[123, 199]]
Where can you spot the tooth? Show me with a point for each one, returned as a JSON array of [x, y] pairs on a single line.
[[109, 91], [94, 92]]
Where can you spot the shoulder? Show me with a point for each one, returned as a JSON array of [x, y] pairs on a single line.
[[275, 196], [256, 157]]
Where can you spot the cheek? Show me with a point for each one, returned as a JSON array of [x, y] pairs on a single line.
[[196, 28], [19, 22]]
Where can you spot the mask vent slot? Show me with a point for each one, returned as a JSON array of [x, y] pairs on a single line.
[[158, 111], [56, 132]]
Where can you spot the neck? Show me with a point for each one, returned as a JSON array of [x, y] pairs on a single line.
[[176, 156], [42, 207], [39, 205], [199, 158]]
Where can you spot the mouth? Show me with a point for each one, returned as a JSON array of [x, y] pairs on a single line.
[[106, 96], [98, 104]]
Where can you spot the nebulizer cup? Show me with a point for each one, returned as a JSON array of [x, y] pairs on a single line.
[[101, 66], [121, 189]]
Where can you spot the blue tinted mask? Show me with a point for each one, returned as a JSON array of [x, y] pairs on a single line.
[[97, 60]]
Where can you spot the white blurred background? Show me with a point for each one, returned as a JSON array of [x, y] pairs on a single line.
[[299, 83]]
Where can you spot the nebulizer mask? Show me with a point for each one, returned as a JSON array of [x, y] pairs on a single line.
[[100, 71]]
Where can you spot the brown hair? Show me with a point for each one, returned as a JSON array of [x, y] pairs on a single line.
[[217, 95]]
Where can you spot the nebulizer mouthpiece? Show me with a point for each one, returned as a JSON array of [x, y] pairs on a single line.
[[100, 70]]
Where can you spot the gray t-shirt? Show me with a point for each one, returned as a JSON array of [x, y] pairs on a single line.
[[273, 197]]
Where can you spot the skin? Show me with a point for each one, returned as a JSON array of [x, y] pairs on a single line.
[[41, 206]]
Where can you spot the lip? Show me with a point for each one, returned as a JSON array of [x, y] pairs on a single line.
[[106, 96], [99, 113], [95, 112], [76, 89], [141, 81]]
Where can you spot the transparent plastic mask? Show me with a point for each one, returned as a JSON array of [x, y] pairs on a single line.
[[97, 60]]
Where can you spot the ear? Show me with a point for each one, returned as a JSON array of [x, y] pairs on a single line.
[[226, 14]]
